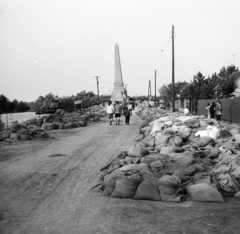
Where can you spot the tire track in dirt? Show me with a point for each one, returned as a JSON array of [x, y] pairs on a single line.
[[75, 175]]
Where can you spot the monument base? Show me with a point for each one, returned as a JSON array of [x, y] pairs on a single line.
[[118, 94]]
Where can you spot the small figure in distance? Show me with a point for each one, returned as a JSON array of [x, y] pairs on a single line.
[[218, 112], [186, 111], [129, 106], [110, 111], [212, 110], [117, 110], [208, 110], [127, 114]]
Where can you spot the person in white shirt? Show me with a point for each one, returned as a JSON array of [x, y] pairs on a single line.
[[110, 111], [186, 111], [129, 106]]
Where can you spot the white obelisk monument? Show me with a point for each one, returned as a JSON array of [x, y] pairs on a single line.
[[118, 93]]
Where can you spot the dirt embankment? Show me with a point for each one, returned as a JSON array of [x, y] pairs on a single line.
[[45, 189]]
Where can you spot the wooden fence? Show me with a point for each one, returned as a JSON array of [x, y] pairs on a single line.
[[230, 109]]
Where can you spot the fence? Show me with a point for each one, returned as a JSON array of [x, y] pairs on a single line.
[[230, 109]]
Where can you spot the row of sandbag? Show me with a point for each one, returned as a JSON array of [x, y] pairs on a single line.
[[168, 140], [23, 133], [160, 178], [220, 143]]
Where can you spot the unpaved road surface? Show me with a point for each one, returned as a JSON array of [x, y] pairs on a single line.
[[45, 189]]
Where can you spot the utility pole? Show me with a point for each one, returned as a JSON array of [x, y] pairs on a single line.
[[126, 91], [149, 90], [173, 95], [155, 86], [97, 87]]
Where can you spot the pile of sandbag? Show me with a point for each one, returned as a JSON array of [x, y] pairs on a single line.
[[22, 132], [177, 158], [67, 120]]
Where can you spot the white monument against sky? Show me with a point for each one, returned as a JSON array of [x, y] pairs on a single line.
[[118, 93]]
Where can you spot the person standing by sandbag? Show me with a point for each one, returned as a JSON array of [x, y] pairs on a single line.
[[110, 111], [127, 114], [208, 110], [218, 111], [212, 110], [117, 110]]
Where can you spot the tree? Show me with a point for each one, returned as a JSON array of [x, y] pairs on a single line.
[[227, 84], [3, 103]]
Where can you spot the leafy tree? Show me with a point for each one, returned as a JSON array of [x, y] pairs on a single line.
[[227, 84], [3, 103]]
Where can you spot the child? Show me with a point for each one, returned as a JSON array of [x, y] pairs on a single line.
[[127, 114]]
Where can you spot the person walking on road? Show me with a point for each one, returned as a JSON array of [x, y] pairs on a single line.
[[129, 106], [110, 111], [127, 114], [212, 110], [218, 111], [117, 110]]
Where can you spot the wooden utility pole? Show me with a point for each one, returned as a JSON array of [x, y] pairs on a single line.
[[155, 86], [126, 91], [173, 94], [150, 92], [97, 87]]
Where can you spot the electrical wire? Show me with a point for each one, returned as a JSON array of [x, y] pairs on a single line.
[[40, 67], [43, 50]]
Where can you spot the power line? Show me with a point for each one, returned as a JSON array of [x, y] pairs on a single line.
[[40, 67], [44, 51]]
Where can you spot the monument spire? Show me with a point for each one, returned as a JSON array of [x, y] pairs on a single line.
[[119, 93], [118, 70]]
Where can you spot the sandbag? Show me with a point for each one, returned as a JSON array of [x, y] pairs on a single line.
[[145, 123], [137, 151], [204, 141], [147, 190], [24, 137], [204, 192], [175, 141], [170, 149], [203, 123], [5, 135], [157, 127], [114, 166], [169, 188], [139, 137], [184, 132], [185, 174], [159, 147], [234, 131], [192, 120], [201, 177], [15, 136], [125, 187], [148, 141], [236, 138], [150, 158], [162, 140], [168, 124], [109, 182], [211, 153], [156, 165], [136, 167]]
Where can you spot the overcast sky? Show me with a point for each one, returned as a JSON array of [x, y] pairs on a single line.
[[59, 46]]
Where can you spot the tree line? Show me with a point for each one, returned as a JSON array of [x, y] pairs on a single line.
[[7, 106], [201, 87]]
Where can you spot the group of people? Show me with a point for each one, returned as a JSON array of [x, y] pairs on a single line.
[[214, 110], [117, 110]]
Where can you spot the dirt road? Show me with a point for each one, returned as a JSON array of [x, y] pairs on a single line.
[[44, 188]]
